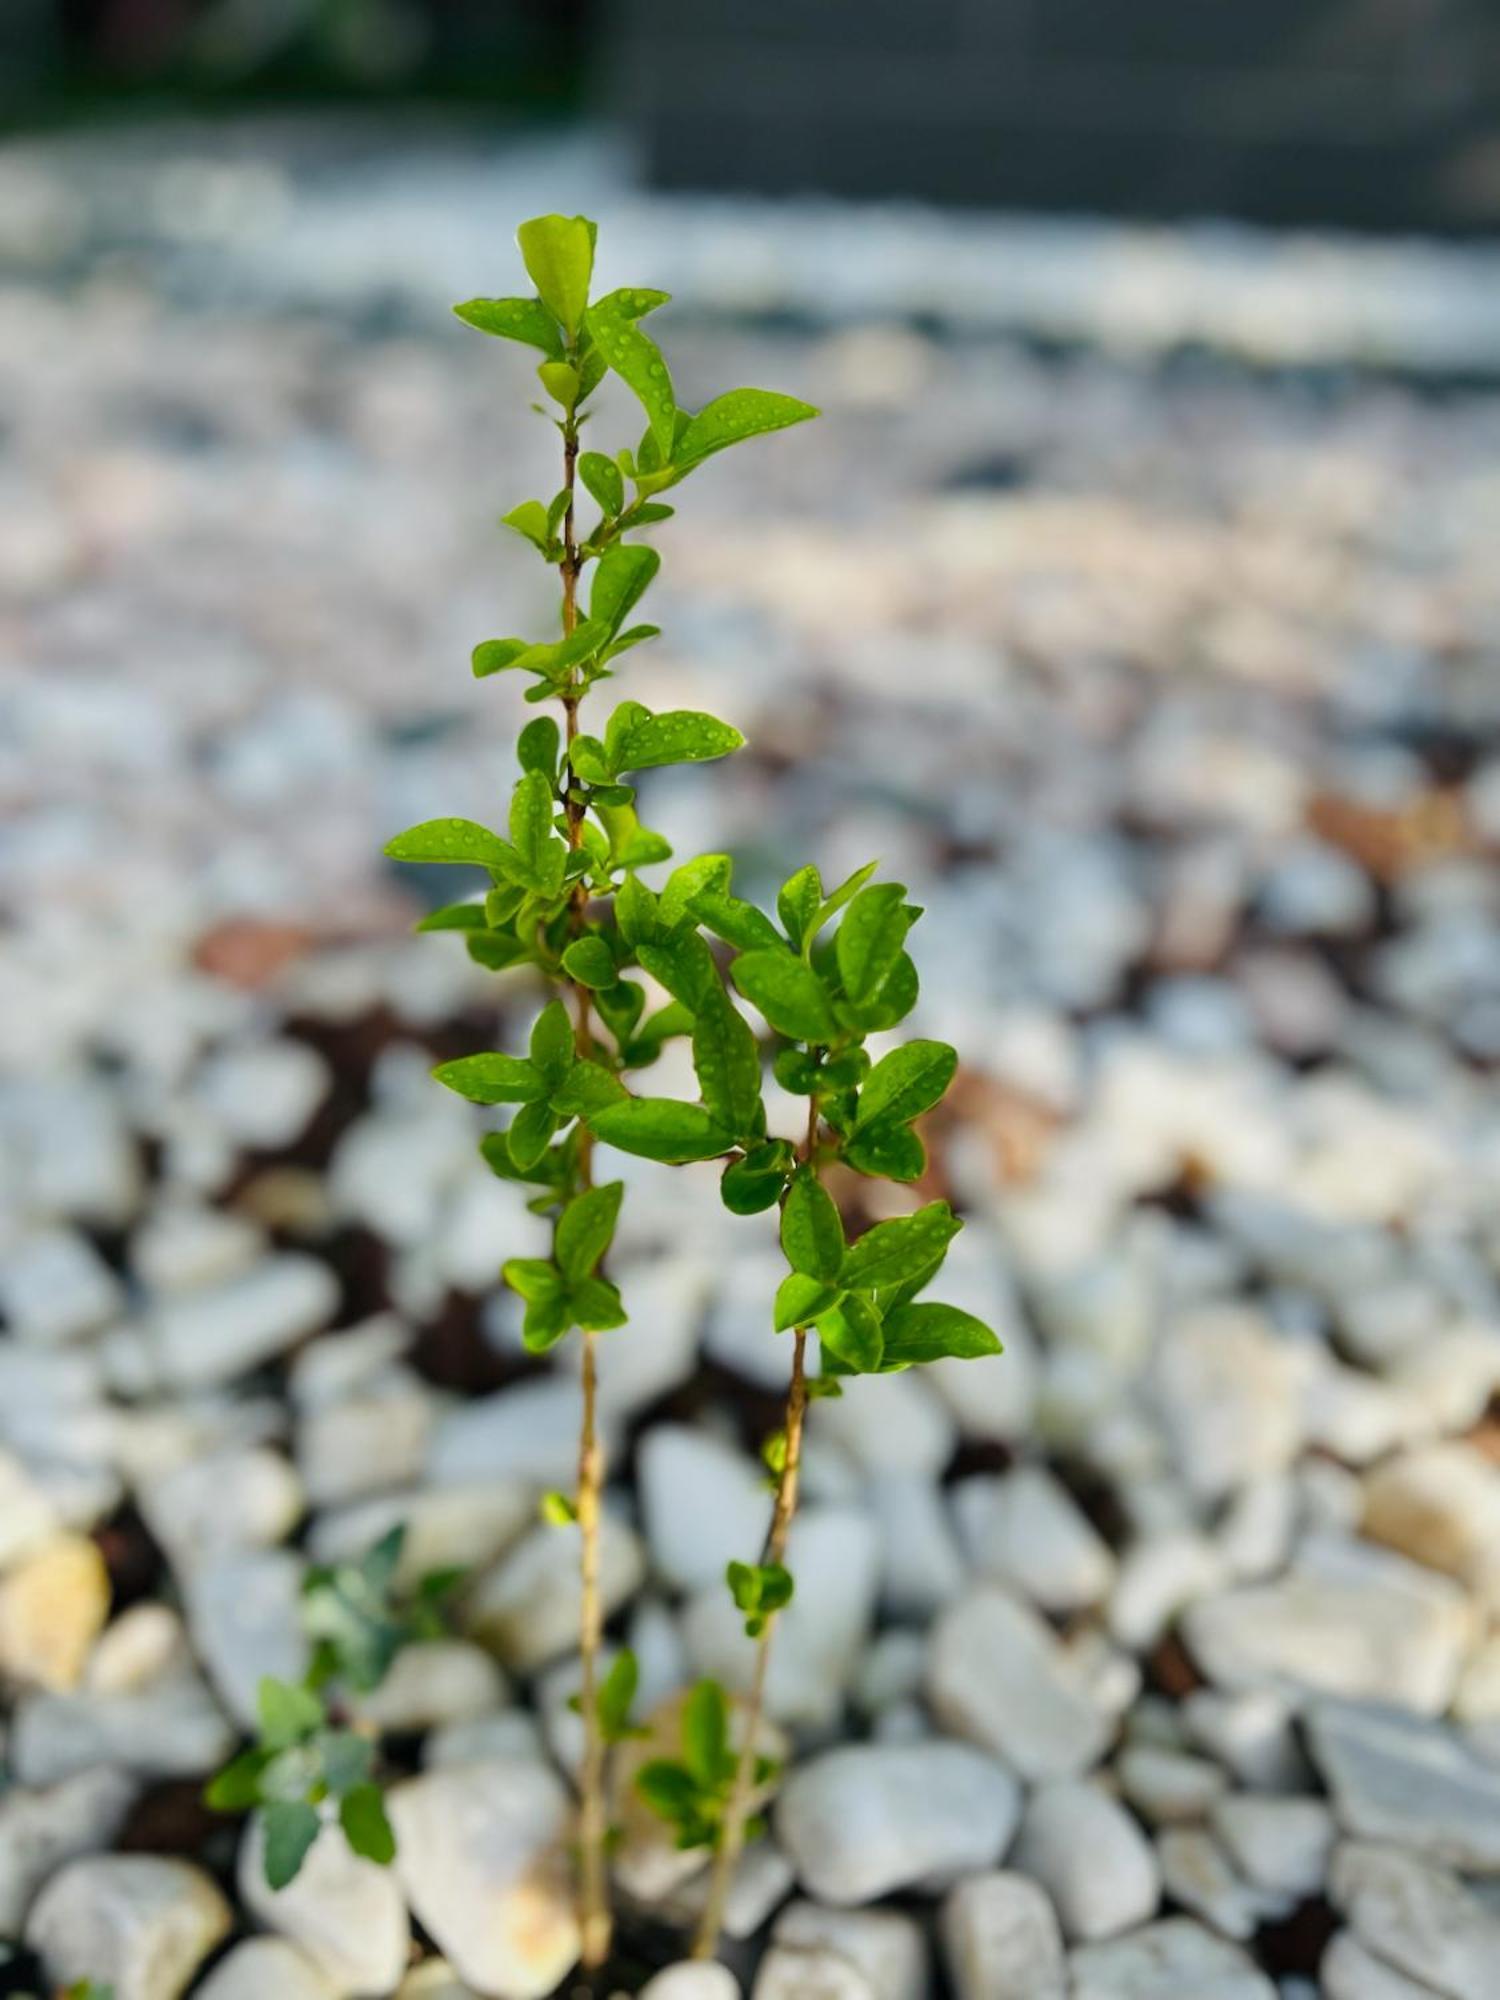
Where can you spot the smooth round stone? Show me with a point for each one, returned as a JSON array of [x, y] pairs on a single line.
[[1177, 1959], [261, 1967], [692, 1980], [886, 1946], [863, 1820], [1168, 1786], [41, 1830], [997, 1675], [1001, 1940], [1091, 1857], [1417, 1916], [347, 1914], [135, 1923], [1280, 1844], [702, 1503], [229, 1500]]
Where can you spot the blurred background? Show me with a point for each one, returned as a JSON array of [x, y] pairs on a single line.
[[1136, 599]]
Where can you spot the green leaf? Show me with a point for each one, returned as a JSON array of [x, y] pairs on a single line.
[[759, 1590], [237, 1787], [454, 917], [928, 1331], [558, 1511], [545, 1323], [542, 855], [590, 962], [586, 1228], [539, 745], [514, 319], [492, 1079], [530, 1133], [891, 1004], [602, 478], [680, 736], [886, 1152], [493, 656], [706, 871], [683, 964], [907, 1082], [737, 922], [788, 992], [754, 1183], [616, 1696], [637, 360], [621, 578], [291, 1827], [798, 901], [800, 1299], [852, 1330], [563, 385], [558, 252], [812, 1235], [659, 1128], [596, 1305], [635, 910], [727, 1062], [870, 938], [668, 1788], [586, 1087], [893, 1252], [286, 1712], [529, 521], [551, 1045], [457, 840], [705, 1735], [366, 1828], [733, 417]]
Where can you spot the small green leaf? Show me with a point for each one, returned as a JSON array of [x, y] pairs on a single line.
[[602, 478], [886, 1152], [893, 1252], [870, 938], [616, 1696], [545, 1323], [726, 1061], [456, 840], [706, 871], [733, 417], [759, 1590], [812, 1235], [668, 1788], [907, 1082], [585, 1230], [754, 1183], [539, 745], [514, 319], [596, 1305], [930, 1332], [455, 917], [798, 901], [585, 1089], [493, 656], [705, 1735], [737, 922], [529, 521], [637, 360], [683, 964], [558, 1511], [530, 1133], [558, 252], [237, 1787], [562, 384], [788, 992], [680, 736], [590, 962], [552, 1046], [286, 1712], [621, 578], [541, 854], [852, 1330], [366, 1828], [659, 1128], [492, 1078], [291, 1827], [800, 1299]]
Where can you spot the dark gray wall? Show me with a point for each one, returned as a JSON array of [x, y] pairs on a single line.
[[1373, 113]]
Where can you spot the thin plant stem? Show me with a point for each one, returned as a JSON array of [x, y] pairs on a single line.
[[731, 1842], [594, 1919]]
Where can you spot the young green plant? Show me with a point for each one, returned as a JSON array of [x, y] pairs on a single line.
[[564, 897]]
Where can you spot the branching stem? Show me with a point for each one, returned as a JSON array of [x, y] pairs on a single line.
[[731, 1842], [594, 1919]]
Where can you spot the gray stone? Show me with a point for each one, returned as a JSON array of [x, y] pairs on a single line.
[[692, 1979], [264, 1967], [244, 1616], [1176, 1959], [1198, 1875], [54, 1287], [887, 1947], [39, 1830], [447, 1527], [201, 1338], [1349, 1972], [1279, 1844], [997, 1675], [1091, 1857], [865, 1819], [171, 1729], [526, 1608], [1397, 1777], [1001, 1940], [1025, 1530], [702, 1503], [433, 1684], [134, 1923], [1168, 1786], [1418, 1917], [224, 1502]]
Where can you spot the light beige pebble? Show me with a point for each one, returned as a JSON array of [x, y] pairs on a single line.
[[347, 1914], [53, 1604], [143, 1644], [267, 1969]]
